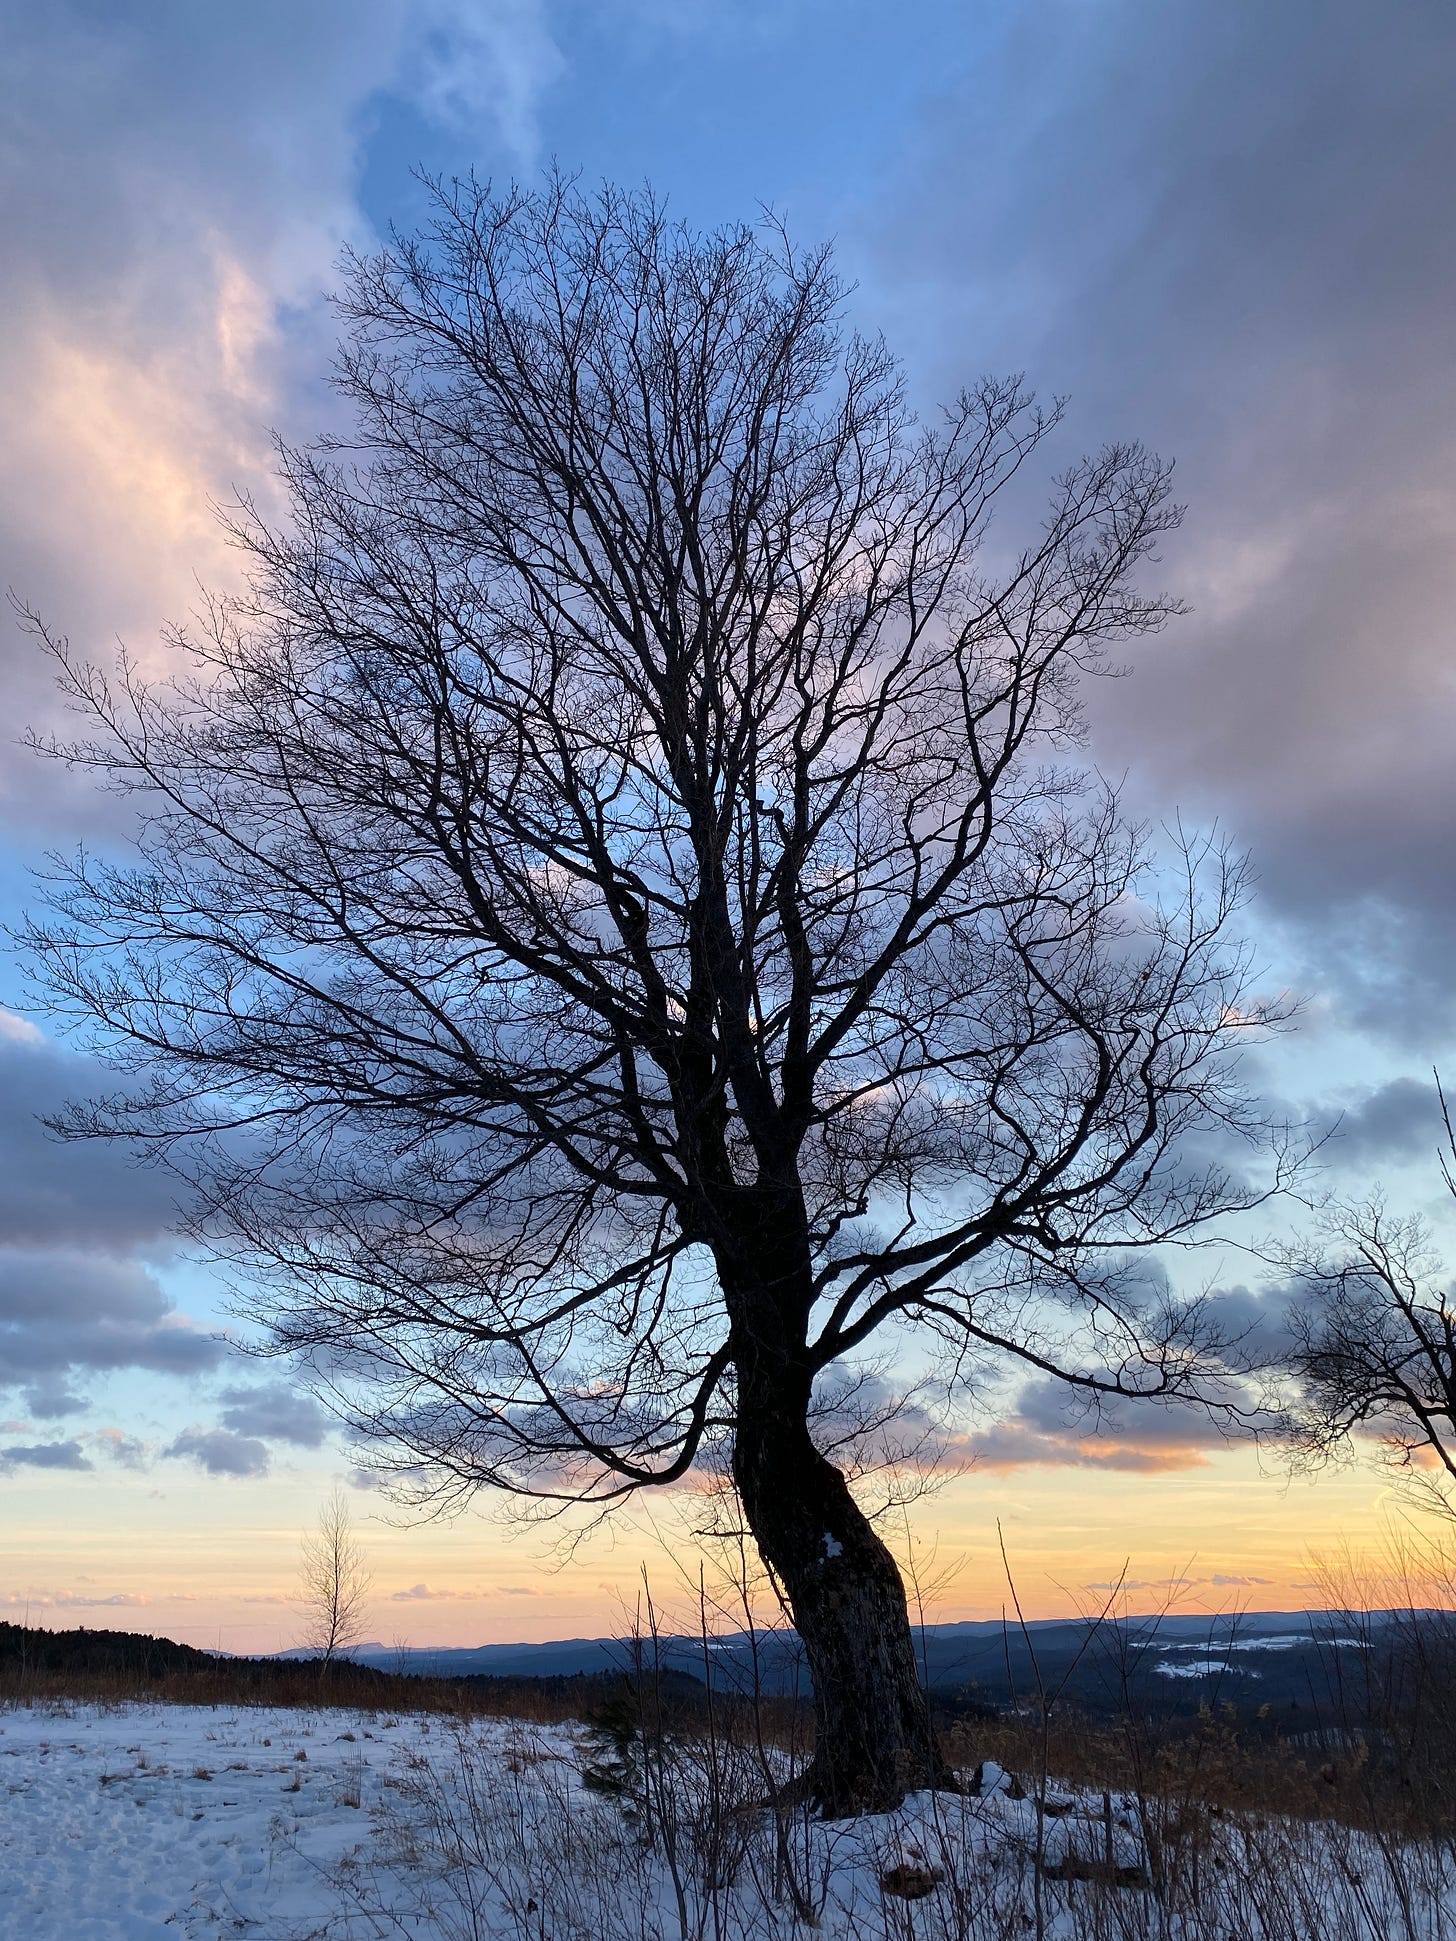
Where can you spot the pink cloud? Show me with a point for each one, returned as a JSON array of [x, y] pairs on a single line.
[[1008, 1445], [72, 1600]]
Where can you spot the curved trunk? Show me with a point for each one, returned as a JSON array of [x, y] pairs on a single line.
[[873, 1739]]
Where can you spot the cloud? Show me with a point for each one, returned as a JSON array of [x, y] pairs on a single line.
[[1051, 1426], [402, 1475], [221, 1452], [70, 1312], [175, 192], [476, 61], [429, 1594], [1255, 1321], [1046, 1423], [1227, 230], [1010, 1446], [78, 1600], [73, 1196], [252, 1417], [127, 1451], [1166, 1585], [48, 1402], [276, 1413], [1172, 1586], [44, 1455], [176, 185], [1399, 1121], [77, 1296]]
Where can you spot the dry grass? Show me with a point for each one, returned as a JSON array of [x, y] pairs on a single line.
[[1375, 1752], [261, 1682], [682, 1848]]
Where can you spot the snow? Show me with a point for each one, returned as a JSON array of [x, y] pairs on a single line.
[[186, 1823], [150, 1823], [1203, 1666], [1291, 1641]]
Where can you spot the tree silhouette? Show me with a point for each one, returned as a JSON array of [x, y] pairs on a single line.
[[1373, 1340], [617, 926], [334, 1584]]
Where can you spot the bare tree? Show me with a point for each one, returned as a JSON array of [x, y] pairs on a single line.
[[617, 924], [1374, 1334], [334, 1584]]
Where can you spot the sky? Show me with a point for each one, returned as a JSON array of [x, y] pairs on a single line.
[[1226, 230]]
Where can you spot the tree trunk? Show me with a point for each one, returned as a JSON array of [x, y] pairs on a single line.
[[873, 1737]]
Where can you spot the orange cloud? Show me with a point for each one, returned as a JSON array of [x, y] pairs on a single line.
[[1009, 1445]]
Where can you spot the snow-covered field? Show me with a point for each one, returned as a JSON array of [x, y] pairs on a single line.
[[149, 1823], [146, 1823]]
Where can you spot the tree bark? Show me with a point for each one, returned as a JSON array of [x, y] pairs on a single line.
[[873, 1737]]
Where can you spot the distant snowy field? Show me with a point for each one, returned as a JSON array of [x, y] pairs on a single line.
[[151, 1823]]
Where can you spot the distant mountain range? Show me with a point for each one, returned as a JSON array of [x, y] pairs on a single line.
[[1176, 1662], [1290, 1669]]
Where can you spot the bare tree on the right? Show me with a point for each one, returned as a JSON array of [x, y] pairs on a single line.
[[1374, 1340]]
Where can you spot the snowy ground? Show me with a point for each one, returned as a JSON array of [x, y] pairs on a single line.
[[146, 1823], [150, 1823]]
